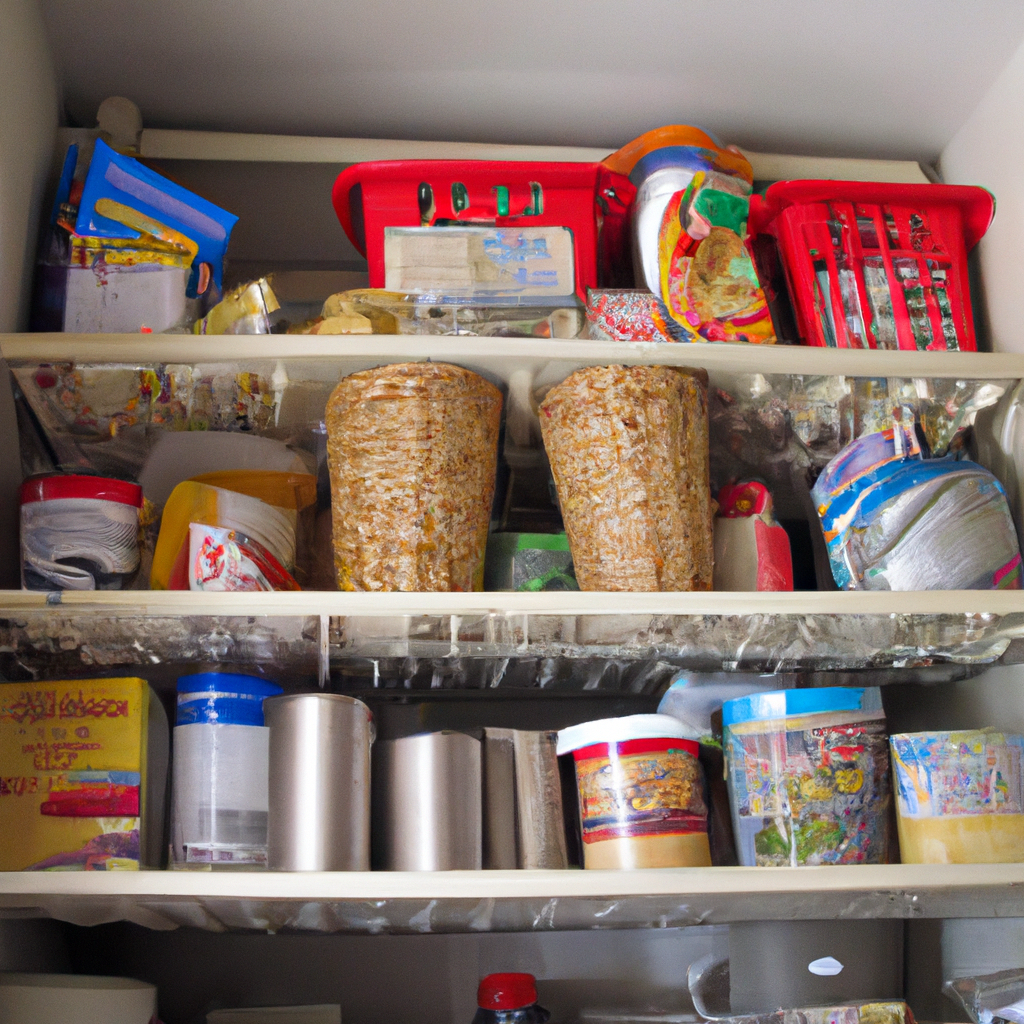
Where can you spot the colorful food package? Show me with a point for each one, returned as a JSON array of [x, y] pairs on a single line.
[[227, 560], [895, 521], [752, 550], [708, 283], [628, 447], [641, 793], [262, 506], [412, 450], [83, 769], [79, 532], [663, 163], [808, 776], [959, 796], [625, 314]]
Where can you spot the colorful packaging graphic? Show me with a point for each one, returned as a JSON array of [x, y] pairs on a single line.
[[808, 777], [640, 791], [72, 774], [959, 796], [648, 787]]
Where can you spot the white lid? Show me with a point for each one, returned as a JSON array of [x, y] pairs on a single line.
[[616, 730]]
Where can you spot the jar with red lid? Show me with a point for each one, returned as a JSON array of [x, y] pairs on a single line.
[[79, 532]]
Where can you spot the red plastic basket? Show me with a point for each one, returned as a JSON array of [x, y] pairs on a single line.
[[876, 265], [590, 200]]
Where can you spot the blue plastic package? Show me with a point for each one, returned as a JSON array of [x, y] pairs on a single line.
[[123, 179], [895, 521]]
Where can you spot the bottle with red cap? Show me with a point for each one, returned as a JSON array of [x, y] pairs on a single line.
[[509, 999]]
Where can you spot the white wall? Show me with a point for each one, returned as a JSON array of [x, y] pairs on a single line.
[[28, 118], [29, 111], [989, 150]]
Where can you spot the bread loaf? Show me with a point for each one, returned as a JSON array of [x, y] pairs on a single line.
[[412, 451], [628, 447]]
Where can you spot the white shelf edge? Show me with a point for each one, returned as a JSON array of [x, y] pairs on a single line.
[[474, 885], [151, 603], [794, 360], [167, 144]]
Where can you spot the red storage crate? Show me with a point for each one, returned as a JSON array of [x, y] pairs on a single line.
[[876, 265], [590, 200]]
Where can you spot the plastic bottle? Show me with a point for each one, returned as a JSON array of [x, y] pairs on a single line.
[[509, 999]]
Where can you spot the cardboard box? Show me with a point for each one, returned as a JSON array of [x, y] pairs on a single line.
[[83, 771]]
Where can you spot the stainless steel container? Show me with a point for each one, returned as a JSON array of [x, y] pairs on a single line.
[[427, 803], [319, 815]]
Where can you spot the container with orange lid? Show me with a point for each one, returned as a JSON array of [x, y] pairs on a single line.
[[79, 532], [641, 793]]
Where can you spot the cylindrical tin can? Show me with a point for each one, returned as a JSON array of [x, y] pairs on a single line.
[[319, 783], [428, 803]]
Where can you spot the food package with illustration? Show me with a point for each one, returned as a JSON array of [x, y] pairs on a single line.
[[808, 776], [83, 769], [640, 792], [959, 796]]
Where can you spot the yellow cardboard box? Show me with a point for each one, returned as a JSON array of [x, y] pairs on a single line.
[[83, 769]]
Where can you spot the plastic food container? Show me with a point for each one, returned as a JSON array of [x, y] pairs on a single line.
[[959, 797], [641, 793], [221, 761], [412, 450], [877, 265], [808, 776], [628, 447], [79, 532]]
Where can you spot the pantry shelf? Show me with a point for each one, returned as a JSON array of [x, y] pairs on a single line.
[[164, 144], [480, 901], [320, 633], [500, 356]]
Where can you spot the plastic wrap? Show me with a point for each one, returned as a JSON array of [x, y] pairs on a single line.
[[989, 997], [412, 450], [432, 314], [708, 981], [959, 796], [895, 521], [628, 450], [641, 793], [785, 429], [808, 777]]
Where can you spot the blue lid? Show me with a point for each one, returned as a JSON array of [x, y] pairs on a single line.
[[759, 707], [223, 698], [228, 682]]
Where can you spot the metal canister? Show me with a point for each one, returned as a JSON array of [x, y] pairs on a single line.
[[319, 782], [428, 803]]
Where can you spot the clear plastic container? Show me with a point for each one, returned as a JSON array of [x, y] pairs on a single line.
[[808, 776], [959, 797], [221, 764], [641, 792]]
